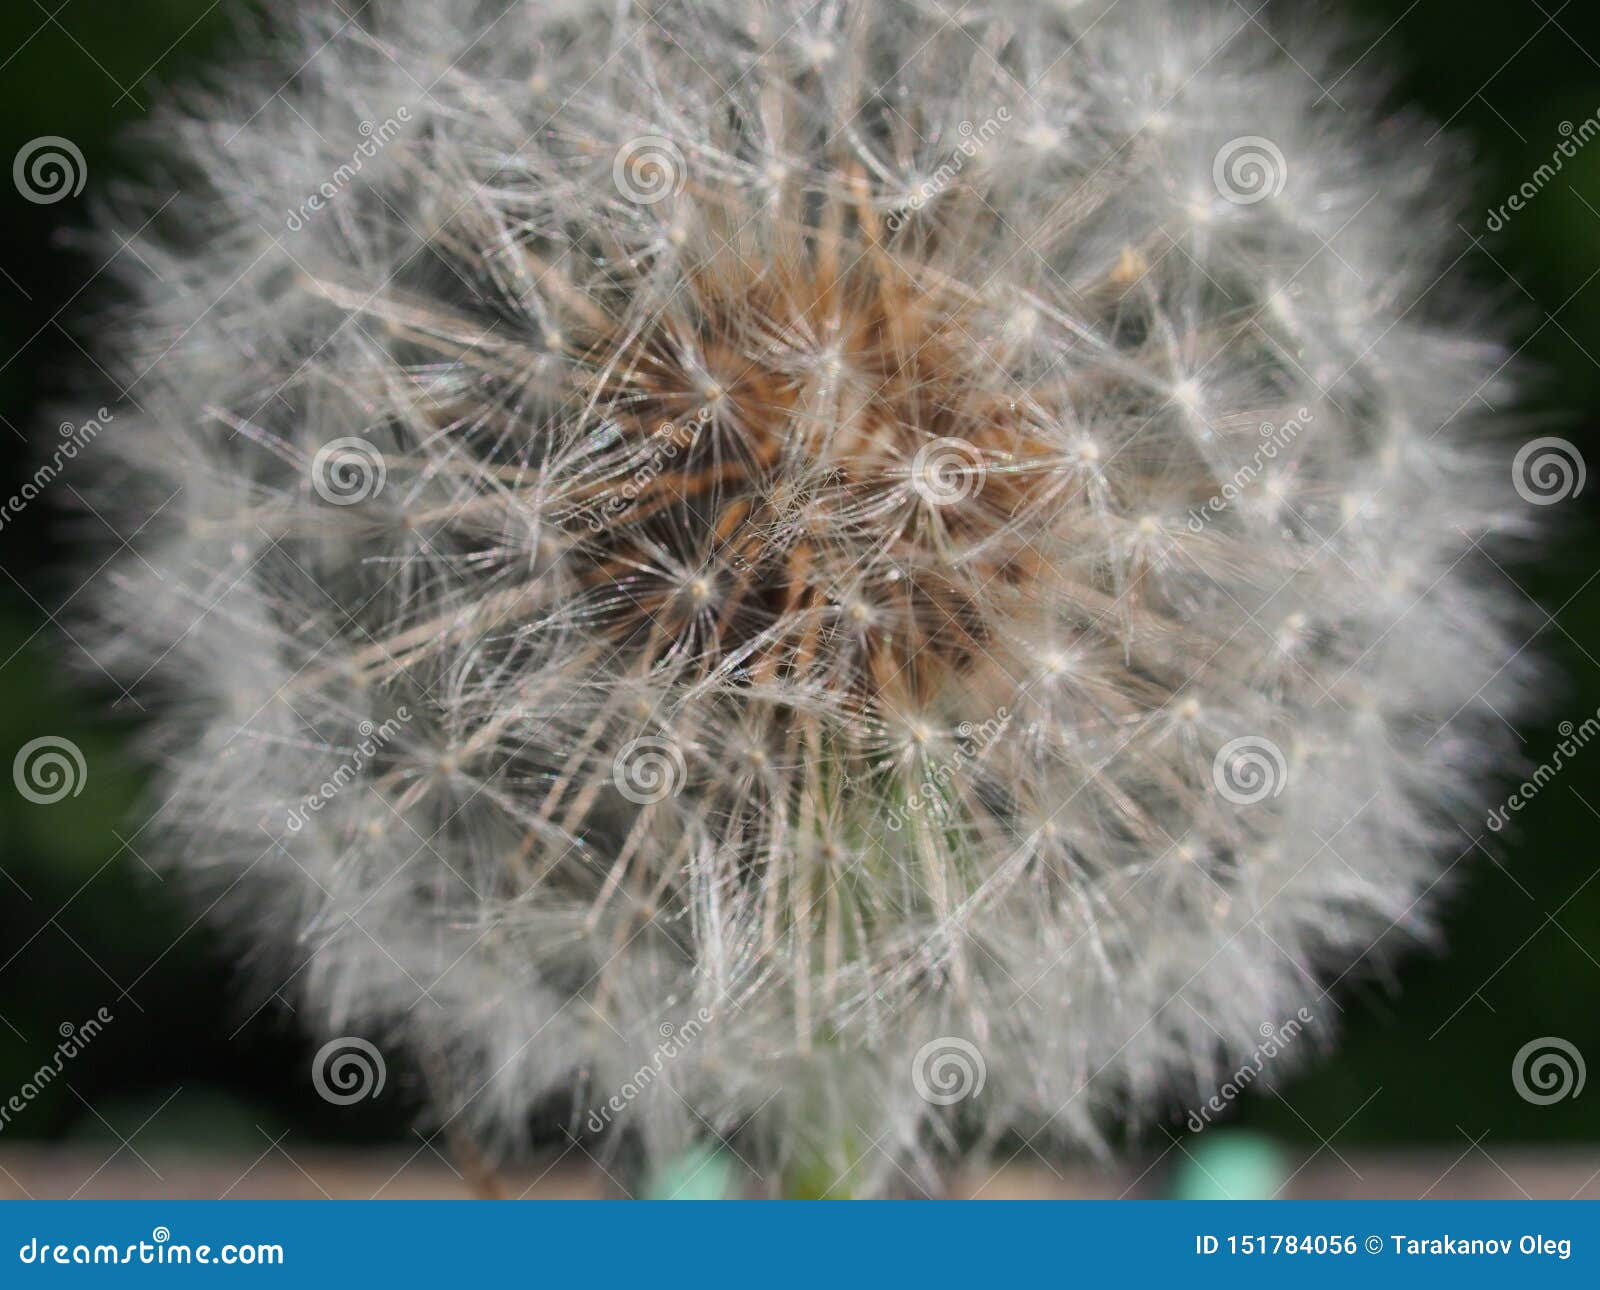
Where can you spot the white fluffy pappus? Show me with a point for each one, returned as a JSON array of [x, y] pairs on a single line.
[[859, 578]]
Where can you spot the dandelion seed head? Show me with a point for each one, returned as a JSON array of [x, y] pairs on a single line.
[[821, 551]]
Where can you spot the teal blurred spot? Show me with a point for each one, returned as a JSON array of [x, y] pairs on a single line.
[[701, 1174], [1220, 1165]]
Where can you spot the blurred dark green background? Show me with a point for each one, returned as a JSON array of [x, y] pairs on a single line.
[[84, 923]]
